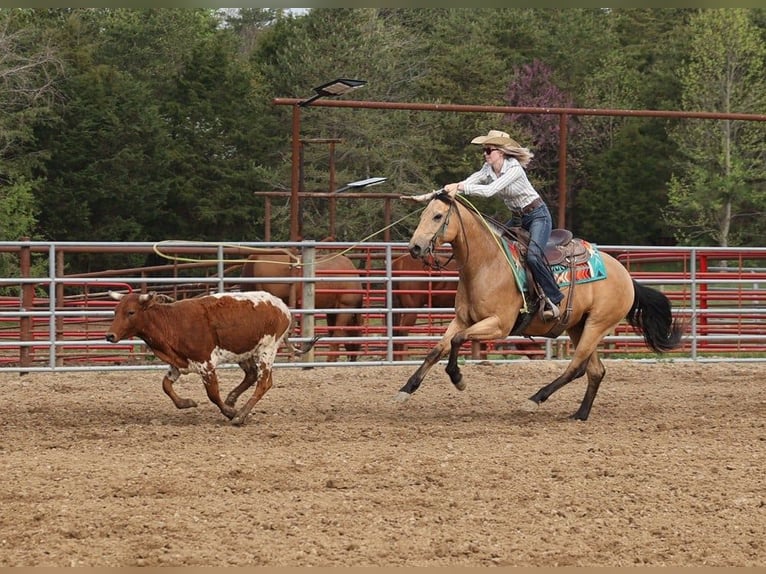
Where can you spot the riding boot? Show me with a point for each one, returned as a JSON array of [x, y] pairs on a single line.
[[551, 310]]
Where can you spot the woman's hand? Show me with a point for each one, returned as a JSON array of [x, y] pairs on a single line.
[[451, 189]]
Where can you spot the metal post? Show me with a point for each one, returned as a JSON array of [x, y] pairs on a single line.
[[562, 211], [308, 300], [27, 304], [296, 174], [332, 190], [60, 270]]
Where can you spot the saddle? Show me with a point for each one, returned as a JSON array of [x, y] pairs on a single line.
[[562, 246]]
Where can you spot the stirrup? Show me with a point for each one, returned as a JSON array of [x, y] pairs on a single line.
[[551, 312]]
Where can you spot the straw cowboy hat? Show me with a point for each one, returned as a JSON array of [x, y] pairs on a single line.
[[506, 144], [498, 138]]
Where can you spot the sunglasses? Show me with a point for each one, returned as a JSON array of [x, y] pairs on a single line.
[[489, 150]]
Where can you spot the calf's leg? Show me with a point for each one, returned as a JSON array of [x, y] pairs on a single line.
[[167, 385], [264, 384], [210, 378], [251, 373]]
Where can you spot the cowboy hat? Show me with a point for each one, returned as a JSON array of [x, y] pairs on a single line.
[[498, 138]]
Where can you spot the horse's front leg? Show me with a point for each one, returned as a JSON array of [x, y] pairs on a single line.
[[486, 329], [433, 357]]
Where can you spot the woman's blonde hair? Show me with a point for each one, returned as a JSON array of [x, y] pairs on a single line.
[[522, 154]]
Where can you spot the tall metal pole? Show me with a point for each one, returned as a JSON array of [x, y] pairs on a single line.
[[296, 175], [561, 220], [332, 191]]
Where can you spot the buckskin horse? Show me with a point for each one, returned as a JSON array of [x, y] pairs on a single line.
[[339, 295], [491, 300]]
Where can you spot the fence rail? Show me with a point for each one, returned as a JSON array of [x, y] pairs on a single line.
[[52, 321]]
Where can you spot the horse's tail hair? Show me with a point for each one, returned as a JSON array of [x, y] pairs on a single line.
[[651, 316]]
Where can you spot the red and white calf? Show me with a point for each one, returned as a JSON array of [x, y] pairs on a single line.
[[196, 335]]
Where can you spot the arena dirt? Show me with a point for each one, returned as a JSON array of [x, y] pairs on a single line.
[[102, 470]]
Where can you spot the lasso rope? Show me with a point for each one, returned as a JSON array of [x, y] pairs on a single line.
[[296, 261]]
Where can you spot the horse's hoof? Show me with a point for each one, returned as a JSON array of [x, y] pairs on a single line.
[[237, 421], [460, 385], [529, 406], [402, 397]]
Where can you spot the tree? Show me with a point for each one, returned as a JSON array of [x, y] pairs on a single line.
[[29, 70], [718, 194], [621, 165], [533, 85], [368, 44], [621, 202], [156, 140]]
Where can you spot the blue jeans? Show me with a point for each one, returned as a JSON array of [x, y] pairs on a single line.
[[539, 223]]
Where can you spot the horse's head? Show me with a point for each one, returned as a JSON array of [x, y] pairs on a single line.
[[436, 226]]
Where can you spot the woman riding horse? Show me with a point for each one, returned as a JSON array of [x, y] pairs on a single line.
[[489, 302]]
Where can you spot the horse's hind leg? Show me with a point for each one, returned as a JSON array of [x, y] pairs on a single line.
[[575, 369], [332, 319], [572, 372], [403, 322], [585, 339], [596, 373], [345, 325]]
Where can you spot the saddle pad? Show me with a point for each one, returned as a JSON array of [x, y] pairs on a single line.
[[592, 269]]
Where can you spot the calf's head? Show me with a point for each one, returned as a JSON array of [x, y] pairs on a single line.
[[128, 315]]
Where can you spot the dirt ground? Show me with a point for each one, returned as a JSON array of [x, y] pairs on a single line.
[[102, 470]]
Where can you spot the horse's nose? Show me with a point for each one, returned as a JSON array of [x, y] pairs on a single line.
[[415, 250]]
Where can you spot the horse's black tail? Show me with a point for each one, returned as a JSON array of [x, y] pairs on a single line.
[[651, 316]]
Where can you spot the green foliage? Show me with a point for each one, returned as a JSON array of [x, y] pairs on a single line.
[[720, 184], [17, 211], [169, 151], [623, 201], [28, 68]]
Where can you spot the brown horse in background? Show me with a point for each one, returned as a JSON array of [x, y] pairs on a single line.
[[489, 303], [328, 294], [417, 294]]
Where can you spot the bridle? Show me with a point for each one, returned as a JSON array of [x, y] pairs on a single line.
[[434, 263]]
